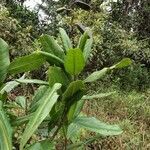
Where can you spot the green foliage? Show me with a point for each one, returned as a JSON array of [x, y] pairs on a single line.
[[135, 77], [129, 16], [97, 96], [83, 40], [97, 126], [26, 63], [5, 131], [118, 33], [123, 63], [115, 37], [56, 74], [4, 60], [36, 98], [87, 49], [48, 100], [72, 89], [35, 81], [18, 37], [120, 29], [51, 59], [65, 39], [9, 86], [74, 61], [50, 45], [59, 102], [99, 74], [96, 75]]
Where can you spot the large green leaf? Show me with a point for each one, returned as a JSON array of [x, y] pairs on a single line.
[[123, 63], [87, 48], [73, 88], [96, 75], [74, 61], [83, 40], [50, 45], [75, 110], [26, 63], [52, 59], [71, 96], [5, 131], [99, 74], [4, 60], [36, 99], [65, 39], [73, 132], [30, 81], [48, 101], [92, 124], [57, 75]]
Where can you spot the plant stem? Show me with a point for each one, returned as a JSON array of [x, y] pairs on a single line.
[[26, 106], [60, 124], [65, 135]]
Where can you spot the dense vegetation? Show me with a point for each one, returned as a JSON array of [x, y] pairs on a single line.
[[65, 74]]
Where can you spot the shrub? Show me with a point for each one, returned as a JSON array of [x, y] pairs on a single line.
[[19, 38], [136, 77], [58, 101]]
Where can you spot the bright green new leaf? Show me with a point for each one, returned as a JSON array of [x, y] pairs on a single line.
[[5, 131], [26, 63], [50, 45], [30, 81], [48, 101], [4, 60], [123, 63], [96, 75], [92, 124], [65, 39], [74, 61]]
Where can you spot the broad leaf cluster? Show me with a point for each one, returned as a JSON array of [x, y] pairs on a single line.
[[58, 102]]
